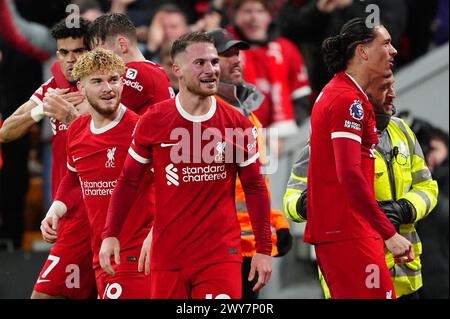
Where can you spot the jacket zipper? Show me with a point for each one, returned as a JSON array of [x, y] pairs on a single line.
[[390, 174]]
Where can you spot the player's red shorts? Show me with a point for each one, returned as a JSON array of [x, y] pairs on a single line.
[[216, 281], [355, 269], [68, 270], [127, 282]]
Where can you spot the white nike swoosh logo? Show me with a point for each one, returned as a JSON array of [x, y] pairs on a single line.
[[42, 280], [76, 159], [168, 144]]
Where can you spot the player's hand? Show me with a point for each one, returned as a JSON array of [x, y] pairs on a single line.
[[49, 228], [110, 247], [73, 98], [262, 265], [144, 257], [156, 32], [408, 257], [50, 223], [401, 248], [57, 107]]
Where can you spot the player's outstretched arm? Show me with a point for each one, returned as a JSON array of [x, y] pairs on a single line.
[[20, 122]]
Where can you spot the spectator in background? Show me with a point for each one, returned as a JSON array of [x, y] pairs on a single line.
[[32, 38], [168, 24], [309, 22], [418, 35], [19, 77], [274, 64], [435, 231], [440, 35], [166, 63], [89, 9]]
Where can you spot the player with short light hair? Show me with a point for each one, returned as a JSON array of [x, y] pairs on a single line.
[[97, 145]]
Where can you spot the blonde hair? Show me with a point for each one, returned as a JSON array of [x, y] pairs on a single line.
[[98, 61]]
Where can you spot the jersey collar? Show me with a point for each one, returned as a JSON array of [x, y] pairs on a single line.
[[196, 118], [111, 125], [357, 85]]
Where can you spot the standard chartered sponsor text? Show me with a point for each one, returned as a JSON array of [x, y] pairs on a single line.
[[204, 173], [99, 188]]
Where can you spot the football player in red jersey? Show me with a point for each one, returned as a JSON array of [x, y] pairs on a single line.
[[346, 225], [145, 82], [196, 250], [97, 145], [68, 271]]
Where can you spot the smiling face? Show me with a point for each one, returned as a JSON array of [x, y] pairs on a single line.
[[198, 69], [69, 50], [253, 19], [230, 67], [174, 25], [103, 92]]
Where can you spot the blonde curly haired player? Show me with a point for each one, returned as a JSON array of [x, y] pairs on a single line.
[[97, 145], [99, 61]]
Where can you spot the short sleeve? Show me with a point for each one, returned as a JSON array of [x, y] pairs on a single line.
[[145, 86], [39, 94], [347, 117], [140, 148]]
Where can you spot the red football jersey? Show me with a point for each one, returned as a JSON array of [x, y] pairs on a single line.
[[195, 161], [342, 110], [144, 84], [59, 129], [97, 156]]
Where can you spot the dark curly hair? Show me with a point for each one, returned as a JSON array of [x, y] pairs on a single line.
[[338, 50], [61, 30]]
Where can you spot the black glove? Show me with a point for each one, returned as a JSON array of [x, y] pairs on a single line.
[[301, 205], [284, 241], [398, 212]]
